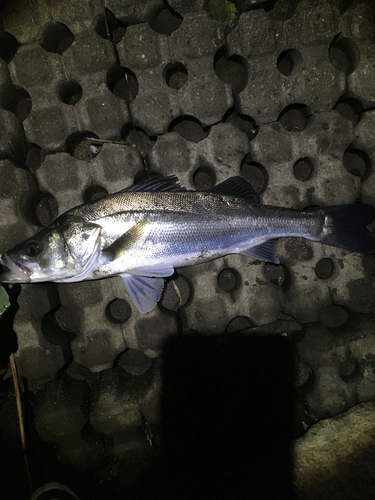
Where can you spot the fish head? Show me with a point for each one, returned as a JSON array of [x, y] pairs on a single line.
[[42, 257], [62, 251]]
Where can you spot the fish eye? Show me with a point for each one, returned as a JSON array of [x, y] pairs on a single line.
[[32, 248]]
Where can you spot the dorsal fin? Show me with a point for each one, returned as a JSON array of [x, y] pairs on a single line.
[[169, 183], [236, 186]]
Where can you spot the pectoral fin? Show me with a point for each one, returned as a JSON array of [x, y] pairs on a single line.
[[145, 292], [154, 271], [123, 244]]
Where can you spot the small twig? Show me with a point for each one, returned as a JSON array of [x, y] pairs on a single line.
[[104, 141], [177, 290], [13, 368], [109, 36]]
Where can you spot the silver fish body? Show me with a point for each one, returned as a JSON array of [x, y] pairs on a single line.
[[147, 231]]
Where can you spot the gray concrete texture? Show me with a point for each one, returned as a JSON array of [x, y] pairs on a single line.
[[283, 97]]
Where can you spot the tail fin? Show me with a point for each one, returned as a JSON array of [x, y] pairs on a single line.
[[345, 227]]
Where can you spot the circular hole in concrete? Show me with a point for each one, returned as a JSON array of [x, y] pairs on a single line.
[[303, 169], [46, 209], [189, 128], [88, 433], [288, 61], [275, 273], [79, 145], [357, 162], [295, 117], [280, 11], [123, 83], [343, 54], [232, 70], [302, 376], [57, 38], [255, 174], [229, 280], [239, 323], [177, 293], [175, 75], [334, 316], [134, 362], [22, 103], [34, 157], [16, 99], [137, 138], [55, 335], [166, 22], [70, 92], [8, 46], [349, 369], [350, 108], [242, 122], [204, 178], [109, 28], [118, 311], [324, 268], [94, 193]]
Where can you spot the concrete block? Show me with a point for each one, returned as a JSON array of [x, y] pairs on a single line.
[[14, 199], [38, 359], [134, 12], [24, 21], [72, 179], [357, 30], [13, 143], [310, 79], [148, 333], [115, 401], [364, 140], [99, 340], [78, 16], [66, 177], [173, 153], [214, 304], [61, 408], [334, 458]]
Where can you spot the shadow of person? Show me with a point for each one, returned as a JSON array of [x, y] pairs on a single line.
[[227, 418]]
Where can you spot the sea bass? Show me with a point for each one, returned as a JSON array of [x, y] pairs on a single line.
[[147, 230]]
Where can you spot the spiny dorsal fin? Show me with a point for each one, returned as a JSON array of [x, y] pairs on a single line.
[[236, 186], [169, 183]]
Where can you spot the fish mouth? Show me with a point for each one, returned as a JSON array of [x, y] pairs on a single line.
[[18, 271]]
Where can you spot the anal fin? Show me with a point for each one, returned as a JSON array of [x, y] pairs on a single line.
[[264, 252], [154, 271]]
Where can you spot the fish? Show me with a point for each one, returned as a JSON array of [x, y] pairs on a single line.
[[146, 231]]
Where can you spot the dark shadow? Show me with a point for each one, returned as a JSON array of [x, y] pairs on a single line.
[[226, 418], [227, 425], [8, 337]]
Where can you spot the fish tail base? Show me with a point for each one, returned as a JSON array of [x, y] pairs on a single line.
[[345, 227]]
